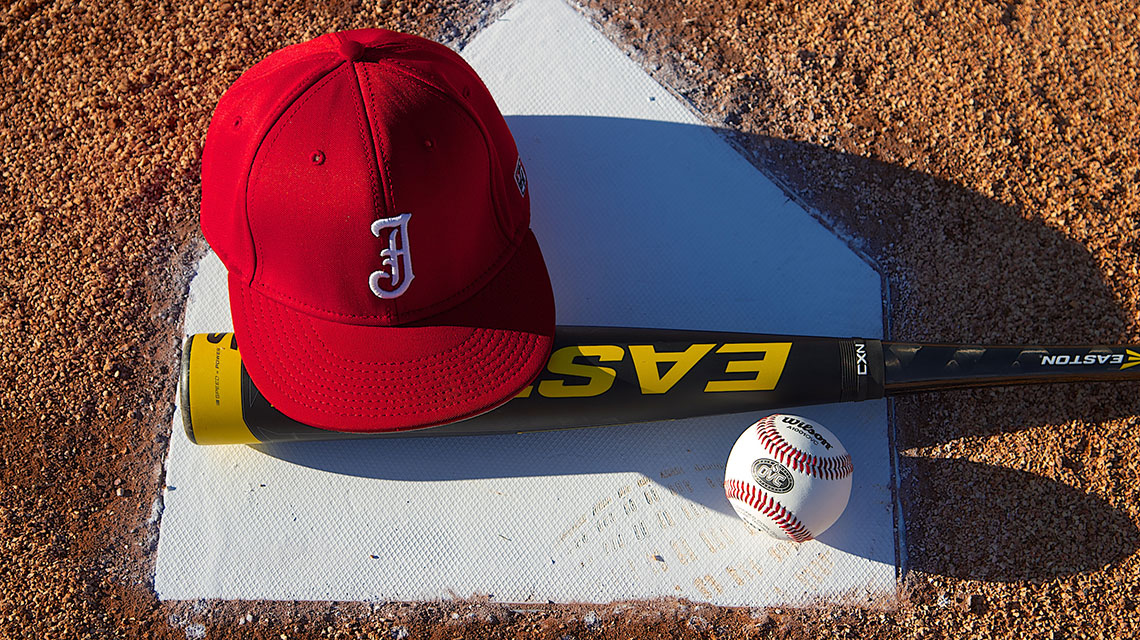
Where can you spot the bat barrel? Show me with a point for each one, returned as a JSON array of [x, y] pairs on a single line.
[[911, 367], [596, 376]]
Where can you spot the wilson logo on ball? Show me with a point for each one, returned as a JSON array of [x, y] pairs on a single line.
[[772, 475]]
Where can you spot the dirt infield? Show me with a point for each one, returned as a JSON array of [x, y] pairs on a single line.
[[986, 154]]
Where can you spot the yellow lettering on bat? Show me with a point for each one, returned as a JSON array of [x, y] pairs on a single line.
[[646, 359], [600, 379], [773, 356]]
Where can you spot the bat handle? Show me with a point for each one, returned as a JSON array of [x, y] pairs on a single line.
[[914, 367]]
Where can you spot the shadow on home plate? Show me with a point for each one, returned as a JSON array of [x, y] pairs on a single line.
[[615, 273], [639, 448]]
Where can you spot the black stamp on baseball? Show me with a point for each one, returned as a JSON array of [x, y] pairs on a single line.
[[772, 475]]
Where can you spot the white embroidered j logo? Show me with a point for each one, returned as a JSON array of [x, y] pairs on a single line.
[[397, 263]]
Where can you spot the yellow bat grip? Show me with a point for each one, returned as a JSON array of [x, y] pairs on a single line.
[[211, 391]]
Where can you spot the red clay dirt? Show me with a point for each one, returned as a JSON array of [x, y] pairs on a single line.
[[984, 153]]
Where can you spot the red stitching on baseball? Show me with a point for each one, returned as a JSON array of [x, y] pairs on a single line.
[[828, 468], [769, 506]]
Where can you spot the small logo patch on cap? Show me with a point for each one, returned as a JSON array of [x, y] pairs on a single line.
[[520, 177]]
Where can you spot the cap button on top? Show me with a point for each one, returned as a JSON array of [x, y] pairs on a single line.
[[352, 50]]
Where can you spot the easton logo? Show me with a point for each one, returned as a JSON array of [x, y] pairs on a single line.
[[1133, 359], [772, 475], [1092, 358], [581, 371]]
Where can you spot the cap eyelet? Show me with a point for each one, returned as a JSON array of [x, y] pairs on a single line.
[[318, 157], [237, 122]]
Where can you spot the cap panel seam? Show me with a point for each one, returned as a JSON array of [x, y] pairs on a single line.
[[307, 83], [382, 165], [381, 162], [259, 161], [487, 143]]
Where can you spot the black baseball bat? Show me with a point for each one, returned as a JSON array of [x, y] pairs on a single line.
[[599, 376]]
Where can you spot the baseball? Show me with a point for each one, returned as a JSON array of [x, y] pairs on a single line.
[[789, 477]]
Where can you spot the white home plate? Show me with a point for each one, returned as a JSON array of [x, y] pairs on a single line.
[[646, 218]]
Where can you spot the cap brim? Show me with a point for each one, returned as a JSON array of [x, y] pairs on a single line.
[[357, 378]]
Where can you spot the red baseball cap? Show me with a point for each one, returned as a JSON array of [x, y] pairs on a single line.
[[369, 202]]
